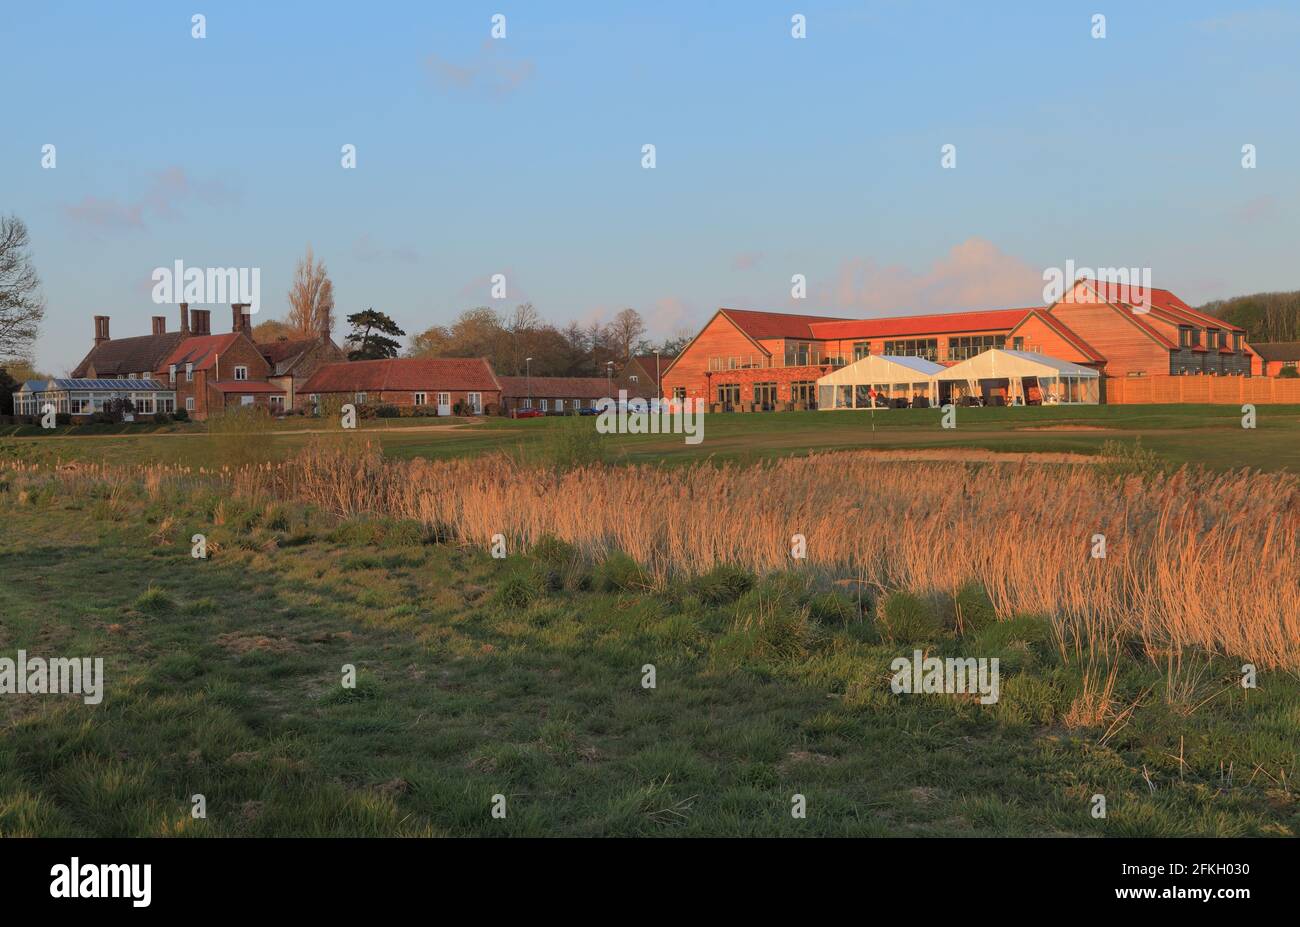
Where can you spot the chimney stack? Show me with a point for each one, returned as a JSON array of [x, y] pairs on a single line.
[[101, 329], [241, 318], [160, 325], [185, 318], [201, 319]]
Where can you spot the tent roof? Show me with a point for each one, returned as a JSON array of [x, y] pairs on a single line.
[[882, 368], [996, 363]]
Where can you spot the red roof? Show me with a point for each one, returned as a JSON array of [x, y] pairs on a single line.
[[403, 374], [246, 386], [1165, 304], [201, 351], [908, 325], [760, 325]]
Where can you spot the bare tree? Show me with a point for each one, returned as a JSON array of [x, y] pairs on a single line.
[[624, 332], [22, 304], [311, 298]]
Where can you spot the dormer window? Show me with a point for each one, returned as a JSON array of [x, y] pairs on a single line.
[[189, 373], [171, 374]]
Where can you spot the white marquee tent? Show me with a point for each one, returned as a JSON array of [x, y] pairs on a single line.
[[892, 377], [1020, 373]]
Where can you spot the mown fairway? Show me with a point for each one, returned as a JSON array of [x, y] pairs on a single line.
[[1208, 434], [523, 677]]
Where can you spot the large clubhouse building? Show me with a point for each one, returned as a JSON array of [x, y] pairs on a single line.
[[770, 359]]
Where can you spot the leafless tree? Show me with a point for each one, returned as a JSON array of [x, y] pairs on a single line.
[[22, 304], [311, 298], [624, 332]]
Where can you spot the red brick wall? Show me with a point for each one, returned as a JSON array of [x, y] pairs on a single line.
[[781, 376], [491, 398], [719, 338]]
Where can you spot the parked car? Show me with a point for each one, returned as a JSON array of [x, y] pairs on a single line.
[[588, 410], [527, 413]]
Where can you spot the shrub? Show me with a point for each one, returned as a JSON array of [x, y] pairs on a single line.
[[516, 591], [554, 552], [832, 608], [62, 418], [387, 411], [181, 415], [154, 601], [723, 584], [973, 611], [162, 418], [1288, 373], [906, 618], [620, 573]]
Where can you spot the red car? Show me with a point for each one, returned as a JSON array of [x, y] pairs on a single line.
[[527, 413]]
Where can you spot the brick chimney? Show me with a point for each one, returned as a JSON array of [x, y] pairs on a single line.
[[185, 318], [201, 319], [101, 329], [160, 325], [241, 318]]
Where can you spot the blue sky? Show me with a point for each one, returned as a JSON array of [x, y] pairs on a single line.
[[775, 156]]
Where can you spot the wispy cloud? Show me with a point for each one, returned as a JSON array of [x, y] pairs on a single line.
[[972, 275], [162, 197], [490, 72], [746, 260]]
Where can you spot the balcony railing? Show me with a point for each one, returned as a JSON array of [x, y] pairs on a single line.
[[758, 361]]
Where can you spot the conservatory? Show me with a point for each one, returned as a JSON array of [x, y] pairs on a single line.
[[1001, 377], [86, 396], [879, 381]]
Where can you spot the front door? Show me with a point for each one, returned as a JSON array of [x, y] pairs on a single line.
[[444, 403]]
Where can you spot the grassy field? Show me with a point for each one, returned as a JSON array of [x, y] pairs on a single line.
[[1209, 435], [523, 677]]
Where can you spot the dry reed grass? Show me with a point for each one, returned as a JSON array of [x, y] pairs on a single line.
[[1196, 560]]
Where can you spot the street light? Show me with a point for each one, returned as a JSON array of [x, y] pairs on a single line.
[[659, 390], [528, 367], [609, 378]]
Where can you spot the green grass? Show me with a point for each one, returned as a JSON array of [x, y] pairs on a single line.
[[523, 677], [1210, 435]]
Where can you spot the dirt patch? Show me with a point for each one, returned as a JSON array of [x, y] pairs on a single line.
[[1063, 428], [977, 455], [238, 642]]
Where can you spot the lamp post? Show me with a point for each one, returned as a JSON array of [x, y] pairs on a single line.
[[528, 370], [609, 378], [659, 389]]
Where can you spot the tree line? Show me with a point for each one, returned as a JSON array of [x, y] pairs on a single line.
[[1264, 316]]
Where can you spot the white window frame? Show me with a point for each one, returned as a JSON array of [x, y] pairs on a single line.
[[544, 405], [247, 400], [360, 399], [189, 403], [189, 373], [421, 399], [171, 374], [444, 399], [476, 403], [241, 372]]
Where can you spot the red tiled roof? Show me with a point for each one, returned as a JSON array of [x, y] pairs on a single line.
[[1167, 306], [405, 374], [1278, 350], [246, 386], [760, 325], [201, 351], [910, 325], [558, 387]]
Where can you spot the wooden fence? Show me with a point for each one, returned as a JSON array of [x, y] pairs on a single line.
[[1169, 389]]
